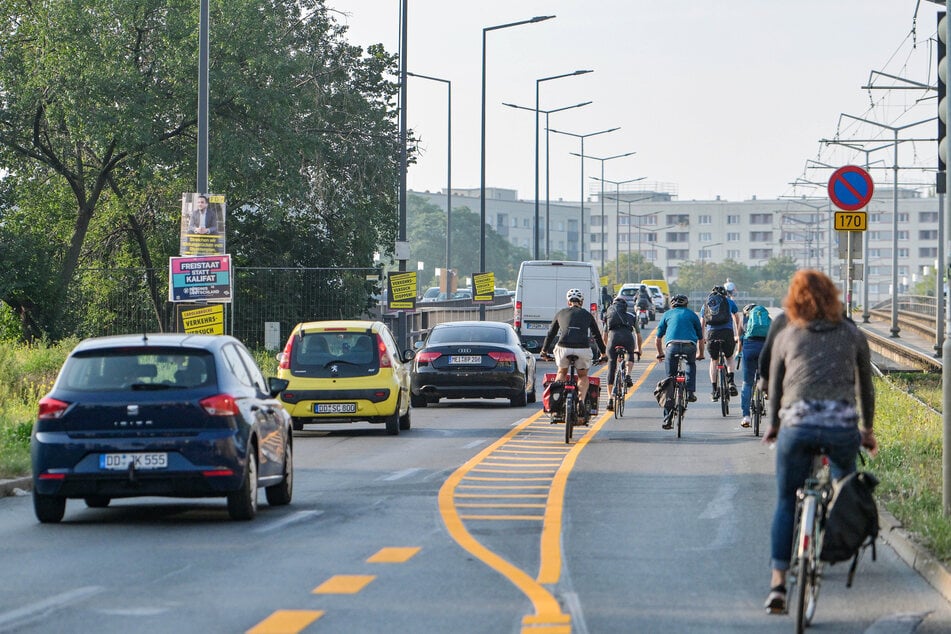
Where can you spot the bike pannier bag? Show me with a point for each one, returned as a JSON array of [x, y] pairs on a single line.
[[594, 394], [664, 392], [852, 521], [716, 311], [554, 395]]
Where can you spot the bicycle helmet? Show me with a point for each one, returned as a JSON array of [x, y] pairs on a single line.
[[719, 290], [643, 288], [729, 286], [575, 295], [748, 308], [621, 302], [678, 301]]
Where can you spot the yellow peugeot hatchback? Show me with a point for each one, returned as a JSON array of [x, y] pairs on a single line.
[[345, 372]]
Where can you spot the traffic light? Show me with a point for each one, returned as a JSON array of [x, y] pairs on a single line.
[[942, 102]]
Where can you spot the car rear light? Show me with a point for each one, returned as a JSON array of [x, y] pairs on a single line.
[[503, 358], [220, 405], [284, 362], [217, 473], [384, 356], [51, 408], [424, 358], [518, 315], [51, 476]]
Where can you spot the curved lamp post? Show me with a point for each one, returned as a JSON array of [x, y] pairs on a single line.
[[617, 221]]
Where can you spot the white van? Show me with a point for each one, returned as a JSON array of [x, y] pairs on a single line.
[[540, 293]]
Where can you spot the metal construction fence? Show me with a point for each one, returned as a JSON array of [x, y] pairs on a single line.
[[122, 300]]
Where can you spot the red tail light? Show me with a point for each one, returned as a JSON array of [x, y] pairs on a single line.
[[51, 408], [220, 405], [594, 309], [218, 473], [503, 357], [285, 362], [518, 315], [424, 358], [384, 356]]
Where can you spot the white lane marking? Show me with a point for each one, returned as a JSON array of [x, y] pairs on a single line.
[[400, 474], [293, 518], [20, 616], [573, 607], [474, 444]]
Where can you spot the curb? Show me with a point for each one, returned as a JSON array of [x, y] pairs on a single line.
[[9, 487], [914, 554]]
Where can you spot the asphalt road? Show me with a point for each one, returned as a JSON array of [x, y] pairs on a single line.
[[478, 519]]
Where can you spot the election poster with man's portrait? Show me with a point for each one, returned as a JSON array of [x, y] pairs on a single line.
[[203, 224]]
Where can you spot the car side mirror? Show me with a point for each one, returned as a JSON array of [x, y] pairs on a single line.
[[275, 385], [531, 345], [408, 355]]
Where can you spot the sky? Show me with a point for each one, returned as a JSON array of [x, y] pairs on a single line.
[[721, 99]]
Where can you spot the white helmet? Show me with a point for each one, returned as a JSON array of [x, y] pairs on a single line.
[[575, 295], [730, 287]]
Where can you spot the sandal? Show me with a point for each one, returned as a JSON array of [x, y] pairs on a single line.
[[776, 601]]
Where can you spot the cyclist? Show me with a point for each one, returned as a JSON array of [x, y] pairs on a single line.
[[730, 287], [751, 344], [721, 325], [684, 334], [621, 330], [643, 299], [820, 387], [576, 326]]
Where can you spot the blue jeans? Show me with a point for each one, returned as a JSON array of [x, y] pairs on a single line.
[[750, 362], [795, 448], [689, 349]]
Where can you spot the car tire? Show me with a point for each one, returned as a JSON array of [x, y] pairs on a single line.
[[532, 396], [49, 509], [97, 501], [405, 422], [417, 401], [393, 422], [519, 400], [243, 503], [280, 493]]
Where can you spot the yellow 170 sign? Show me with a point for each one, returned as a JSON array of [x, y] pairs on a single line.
[[851, 221]]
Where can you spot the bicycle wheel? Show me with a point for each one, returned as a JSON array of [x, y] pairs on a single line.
[[681, 405], [570, 413], [724, 391], [618, 393], [805, 566], [757, 409]]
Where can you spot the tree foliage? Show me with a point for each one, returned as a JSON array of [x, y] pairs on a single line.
[[98, 140], [767, 281]]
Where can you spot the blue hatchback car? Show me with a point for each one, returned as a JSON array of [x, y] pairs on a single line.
[[161, 415]]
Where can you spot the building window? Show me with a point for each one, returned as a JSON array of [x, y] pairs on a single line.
[[732, 254], [761, 236], [761, 254], [902, 235], [595, 238], [705, 254], [597, 221], [761, 219], [706, 237], [927, 216], [678, 219], [928, 234], [650, 237], [903, 217], [678, 236], [733, 236], [904, 253], [733, 219], [928, 252], [527, 223], [705, 219], [515, 223], [678, 254]]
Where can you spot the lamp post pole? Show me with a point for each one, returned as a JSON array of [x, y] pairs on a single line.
[[601, 195], [547, 215], [581, 220], [485, 31], [448, 83], [703, 266], [538, 83], [617, 221]]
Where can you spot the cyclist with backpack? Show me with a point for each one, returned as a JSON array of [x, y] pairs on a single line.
[[684, 335], [621, 330], [756, 322], [643, 300], [721, 325]]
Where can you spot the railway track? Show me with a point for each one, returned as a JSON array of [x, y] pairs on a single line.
[[900, 350]]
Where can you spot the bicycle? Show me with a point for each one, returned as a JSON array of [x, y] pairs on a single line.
[[677, 405], [619, 391], [812, 504], [722, 385], [571, 401], [757, 403]]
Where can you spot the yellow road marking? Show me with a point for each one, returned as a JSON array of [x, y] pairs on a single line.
[[286, 622], [344, 584], [393, 555]]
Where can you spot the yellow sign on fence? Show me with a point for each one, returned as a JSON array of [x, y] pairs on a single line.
[[208, 320]]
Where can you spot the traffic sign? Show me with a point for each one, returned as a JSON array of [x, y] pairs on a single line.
[[850, 188], [851, 221]]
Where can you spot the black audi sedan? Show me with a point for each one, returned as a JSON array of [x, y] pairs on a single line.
[[472, 359], [161, 415]]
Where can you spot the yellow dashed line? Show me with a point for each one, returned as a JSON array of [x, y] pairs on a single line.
[[344, 584], [393, 555], [286, 622]]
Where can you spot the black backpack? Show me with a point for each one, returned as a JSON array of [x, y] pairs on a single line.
[[618, 319], [716, 311], [852, 520]]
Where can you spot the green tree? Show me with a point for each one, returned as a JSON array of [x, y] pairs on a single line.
[[97, 139]]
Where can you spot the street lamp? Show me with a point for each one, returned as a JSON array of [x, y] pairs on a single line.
[[485, 30], [583, 137], [617, 221], [547, 214], [537, 85], [601, 195], [448, 173]]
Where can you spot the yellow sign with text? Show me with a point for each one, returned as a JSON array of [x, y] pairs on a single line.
[[208, 320], [484, 284], [851, 221]]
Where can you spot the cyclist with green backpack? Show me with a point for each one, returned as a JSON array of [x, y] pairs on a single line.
[[756, 322]]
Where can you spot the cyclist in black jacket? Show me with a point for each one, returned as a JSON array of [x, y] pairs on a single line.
[[621, 329], [576, 326]]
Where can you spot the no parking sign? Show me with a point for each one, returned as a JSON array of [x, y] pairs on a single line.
[[850, 188]]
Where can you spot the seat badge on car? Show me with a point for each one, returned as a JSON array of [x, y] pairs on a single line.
[[132, 410]]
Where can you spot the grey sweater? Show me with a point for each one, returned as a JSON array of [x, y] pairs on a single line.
[[823, 361]]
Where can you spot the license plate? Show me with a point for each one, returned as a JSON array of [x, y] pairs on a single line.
[[121, 461], [336, 408], [538, 326], [465, 360]]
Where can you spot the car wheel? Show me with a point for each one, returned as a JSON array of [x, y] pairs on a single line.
[[417, 401], [532, 396], [97, 501], [393, 422], [405, 422], [49, 509], [519, 400], [297, 425], [280, 493], [243, 503]]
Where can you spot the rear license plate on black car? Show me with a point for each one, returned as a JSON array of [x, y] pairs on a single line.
[[121, 461], [465, 359], [335, 408]]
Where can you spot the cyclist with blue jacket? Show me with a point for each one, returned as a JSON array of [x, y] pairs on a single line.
[[681, 328]]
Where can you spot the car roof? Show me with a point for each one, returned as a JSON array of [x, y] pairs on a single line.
[[207, 342], [488, 324], [346, 324]]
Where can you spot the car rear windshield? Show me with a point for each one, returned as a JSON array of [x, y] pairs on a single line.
[[137, 369], [336, 354], [467, 334]]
